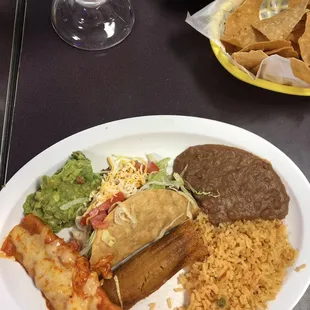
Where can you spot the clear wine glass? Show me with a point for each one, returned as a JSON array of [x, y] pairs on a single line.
[[92, 24]]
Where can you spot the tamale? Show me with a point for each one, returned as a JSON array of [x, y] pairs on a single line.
[[151, 268]]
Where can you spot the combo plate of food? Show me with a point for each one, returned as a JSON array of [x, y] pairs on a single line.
[[156, 212]]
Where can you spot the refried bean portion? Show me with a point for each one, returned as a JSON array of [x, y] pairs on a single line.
[[248, 186]]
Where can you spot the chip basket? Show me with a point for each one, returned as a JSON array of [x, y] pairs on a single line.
[[236, 72]]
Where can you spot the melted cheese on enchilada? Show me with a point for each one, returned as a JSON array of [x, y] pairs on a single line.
[[58, 271]]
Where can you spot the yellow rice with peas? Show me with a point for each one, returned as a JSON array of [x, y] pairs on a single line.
[[246, 266]]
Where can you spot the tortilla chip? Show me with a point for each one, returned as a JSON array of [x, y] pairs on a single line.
[[300, 70], [243, 17], [296, 48], [267, 45], [250, 36], [279, 26], [239, 23], [294, 3], [230, 40], [304, 42], [250, 59], [301, 24], [286, 52], [255, 70], [295, 35], [231, 45]]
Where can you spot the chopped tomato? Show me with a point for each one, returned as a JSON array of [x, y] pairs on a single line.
[[151, 167], [97, 215], [137, 165], [75, 245], [104, 206], [83, 221], [100, 224], [92, 213], [97, 221], [117, 197]]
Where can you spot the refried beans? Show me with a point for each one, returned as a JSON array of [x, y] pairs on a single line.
[[248, 186]]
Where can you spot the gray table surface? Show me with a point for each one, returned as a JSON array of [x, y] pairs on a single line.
[[7, 13], [163, 67]]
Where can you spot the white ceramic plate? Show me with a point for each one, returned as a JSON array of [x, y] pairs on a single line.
[[166, 136]]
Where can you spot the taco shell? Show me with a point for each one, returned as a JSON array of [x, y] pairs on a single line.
[[141, 219]]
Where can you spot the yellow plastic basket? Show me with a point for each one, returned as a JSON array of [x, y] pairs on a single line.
[[236, 72]]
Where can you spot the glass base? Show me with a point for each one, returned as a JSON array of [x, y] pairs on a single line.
[[92, 24]]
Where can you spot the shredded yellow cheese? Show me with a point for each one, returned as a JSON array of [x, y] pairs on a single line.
[[123, 177]]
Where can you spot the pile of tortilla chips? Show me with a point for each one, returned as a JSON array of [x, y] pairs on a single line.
[[250, 40]]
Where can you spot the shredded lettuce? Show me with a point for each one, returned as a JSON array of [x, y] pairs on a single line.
[[163, 164], [122, 214], [162, 180], [78, 224], [72, 203], [202, 193], [86, 249], [188, 211], [158, 180], [165, 229], [151, 157], [118, 290], [107, 238]]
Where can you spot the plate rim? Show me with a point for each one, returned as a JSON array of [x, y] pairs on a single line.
[[171, 123]]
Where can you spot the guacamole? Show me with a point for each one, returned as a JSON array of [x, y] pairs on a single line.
[[64, 194]]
